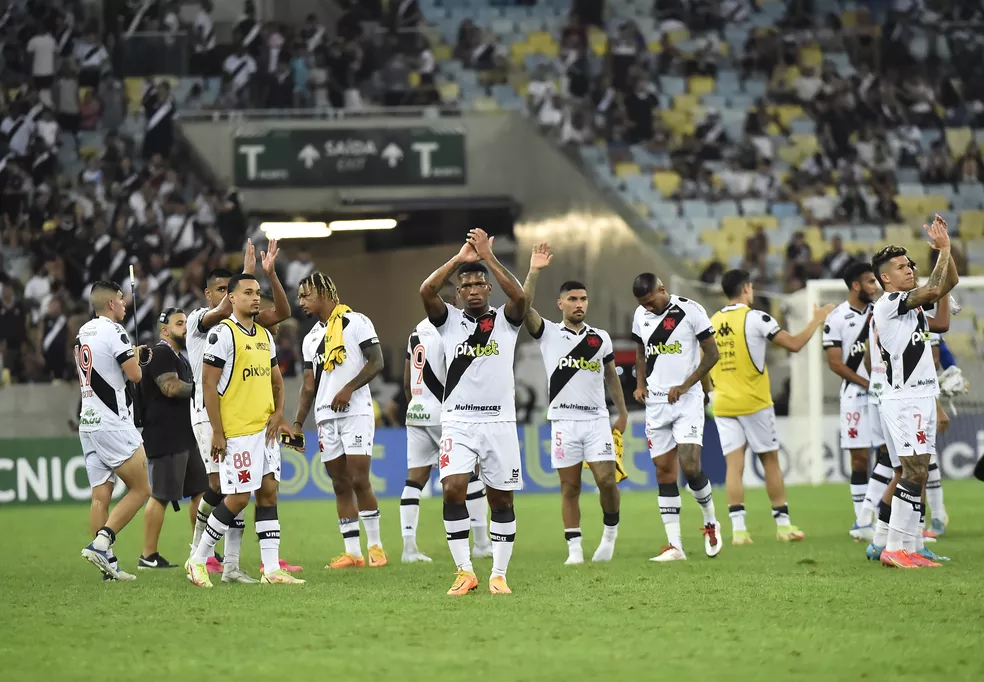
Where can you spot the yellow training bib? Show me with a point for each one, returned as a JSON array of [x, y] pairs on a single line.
[[740, 388], [247, 402]]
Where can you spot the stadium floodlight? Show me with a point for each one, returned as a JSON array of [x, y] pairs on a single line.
[[296, 230], [368, 224]]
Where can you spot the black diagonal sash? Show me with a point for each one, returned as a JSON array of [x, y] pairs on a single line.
[[431, 381], [662, 334], [915, 348], [854, 359], [462, 362], [586, 349]]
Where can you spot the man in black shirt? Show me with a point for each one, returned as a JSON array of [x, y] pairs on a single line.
[[176, 470]]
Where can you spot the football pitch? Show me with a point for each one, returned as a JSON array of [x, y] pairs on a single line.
[[815, 610]]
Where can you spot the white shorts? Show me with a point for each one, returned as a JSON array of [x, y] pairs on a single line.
[[910, 426], [494, 446], [248, 459], [346, 436], [423, 446], [756, 430], [203, 436], [855, 425], [877, 431], [576, 441], [106, 451], [669, 425]]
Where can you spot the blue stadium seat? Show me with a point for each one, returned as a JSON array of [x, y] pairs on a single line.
[[695, 209], [723, 209], [673, 85], [754, 207], [941, 190], [868, 233], [911, 189], [785, 210]]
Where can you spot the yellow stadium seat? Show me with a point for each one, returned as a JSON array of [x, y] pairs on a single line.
[[539, 38], [933, 203], [655, 46], [909, 206], [686, 103], [641, 209], [791, 154], [811, 56], [897, 233], [667, 182], [961, 344], [723, 49], [413, 78], [723, 252], [789, 112], [485, 104], [134, 93], [805, 141], [442, 53], [701, 85], [734, 226], [972, 224], [957, 139], [788, 74], [624, 170], [599, 44], [450, 92], [769, 222], [677, 36]]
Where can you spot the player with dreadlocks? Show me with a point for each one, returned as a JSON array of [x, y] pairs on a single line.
[[341, 356]]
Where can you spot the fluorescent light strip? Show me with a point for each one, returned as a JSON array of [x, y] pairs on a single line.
[[296, 230], [370, 224]]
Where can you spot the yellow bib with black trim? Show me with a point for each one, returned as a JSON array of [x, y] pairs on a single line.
[[247, 402], [739, 387]]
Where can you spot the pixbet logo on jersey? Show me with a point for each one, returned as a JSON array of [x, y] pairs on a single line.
[[919, 336], [579, 363], [859, 348], [476, 351], [255, 371], [675, 348]]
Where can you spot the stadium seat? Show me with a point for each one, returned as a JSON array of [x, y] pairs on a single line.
[[958, 139], [972, 225], [667, 182], [753, 207], [785, 210], [701, 85], [911, 189], [696, 209]]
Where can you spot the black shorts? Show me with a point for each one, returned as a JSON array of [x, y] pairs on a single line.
[[177, 476], [43, 82]]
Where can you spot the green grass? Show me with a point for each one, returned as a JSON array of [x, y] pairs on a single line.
[[809, 611]]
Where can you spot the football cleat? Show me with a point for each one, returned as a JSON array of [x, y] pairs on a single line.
[[346, 560], [921, 560], [604, 552], [482, 549], [280, 577], [122, 576], [873, 552], [938, 526], [213, 565], [669, 553], [497, 585], [712, 539], [927, 553], [899, 559], [289, 568], [234, 574], [415, 557], [789, 534], [377, 557], [741, 537], [464, 583], [101, 560], [574, 559], [198, 575], [862, 533]]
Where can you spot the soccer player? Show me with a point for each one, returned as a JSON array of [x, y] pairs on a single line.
[[341, 356], [111, 445], [423, 383], [675, 350], [244, 398], [845, 340], [580, 362], [908, 401], [200, 321], [478, 417], [743, 411]]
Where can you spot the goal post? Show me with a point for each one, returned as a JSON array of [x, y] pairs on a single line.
[[813, 441]]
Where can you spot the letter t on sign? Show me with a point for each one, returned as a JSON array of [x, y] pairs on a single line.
[[425, 149], [252, 152]]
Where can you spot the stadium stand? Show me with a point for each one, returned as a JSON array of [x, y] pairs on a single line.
[[784, 137]]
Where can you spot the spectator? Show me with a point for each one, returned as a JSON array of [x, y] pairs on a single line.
[[42, 48], [299, 67], [13, 329], [887, 208], [970, 168], [318, 83], [836, 259], [203, 41], [54, 339], [159, 109], [469, 38], [639, 107], [539, 89], [90, 111], [246, 32], [818, 206], [853, 207], [799, 259], [711, 135], [93, 59], [280, 93], [238, 69], [937, 167]]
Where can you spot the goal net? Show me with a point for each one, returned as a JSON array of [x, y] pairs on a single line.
[[811, 437]]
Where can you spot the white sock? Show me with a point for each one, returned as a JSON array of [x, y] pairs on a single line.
[[881, 525], [573, 537], [218, 525], [669, 509], [877, 482], [904, 507], [104, 539], [478, 510], [370, 521], [350, 535], [610, 532], [781, 515], [859, 489], [205, 508], [234, 542], [410, 513], [503, 533], [700, 488], [934, 494], [918, 521], [736, 512], [456, 526], [268, 533]]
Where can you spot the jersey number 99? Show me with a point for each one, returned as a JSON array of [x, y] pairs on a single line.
[[83, 363]]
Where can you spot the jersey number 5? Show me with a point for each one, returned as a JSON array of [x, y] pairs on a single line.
[[419, 358], [83, 363]]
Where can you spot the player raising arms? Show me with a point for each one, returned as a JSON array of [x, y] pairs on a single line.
[[423, 383], [341, 356], [580, 362], [908, 400], [478, 417], [675, 350], [845, 340], [111, 444], [743, 411], [244, 398], [200, 321]]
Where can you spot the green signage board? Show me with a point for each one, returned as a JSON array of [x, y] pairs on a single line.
[[350, 157], [44, 471]]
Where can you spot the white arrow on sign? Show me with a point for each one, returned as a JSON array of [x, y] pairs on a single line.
[[308, 156], [392, 154]]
